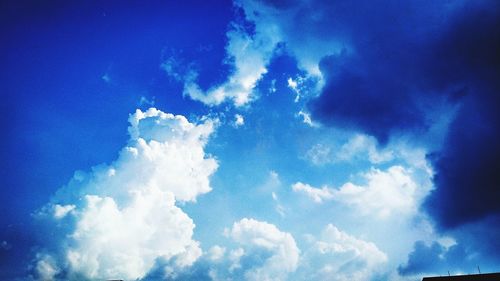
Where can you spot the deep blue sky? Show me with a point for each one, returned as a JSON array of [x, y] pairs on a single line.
[[54, 57], [353, 117]]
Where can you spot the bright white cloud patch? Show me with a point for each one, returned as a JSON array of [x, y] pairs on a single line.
[[317, 194], [239, 120], [279, 247], [250, 54], [62, 211], [385, 193], [292, 84], [116, 220], [216, 253], [336, 255]]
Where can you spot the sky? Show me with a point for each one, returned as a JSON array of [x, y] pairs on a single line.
[[249, 139]]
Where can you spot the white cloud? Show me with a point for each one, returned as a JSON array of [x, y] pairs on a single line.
[[293, 84], [116, 220], [234, 257], [296, 30], [238, 120], [62, 211], [216, 253], [250, 54], [46, 268], [317, 194], [298, 86], [254, 236], [361, 145], [336, 255], [386, 193], [306, 118]]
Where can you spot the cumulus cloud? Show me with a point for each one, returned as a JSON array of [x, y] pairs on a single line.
[[216, 253], [260, 252], [391, 192], [280, 252], [336, 255], [384, 194], [317, 194], [117, 220], [239, 120]]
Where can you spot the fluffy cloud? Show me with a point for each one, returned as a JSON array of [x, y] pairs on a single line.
[[385, 193], [391, 192], [216, 253], [239, 120], [249, 52], [317, 194], [336, 255], [263, 239], [118, 219], [260, 252]]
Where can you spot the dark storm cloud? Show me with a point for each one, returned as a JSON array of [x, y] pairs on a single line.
[[378, 84], [467, 177], [399, 63]]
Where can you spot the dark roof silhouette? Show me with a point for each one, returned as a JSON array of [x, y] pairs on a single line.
[[470, 277]]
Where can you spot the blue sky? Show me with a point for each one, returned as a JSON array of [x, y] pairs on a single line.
[[249, 140]]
